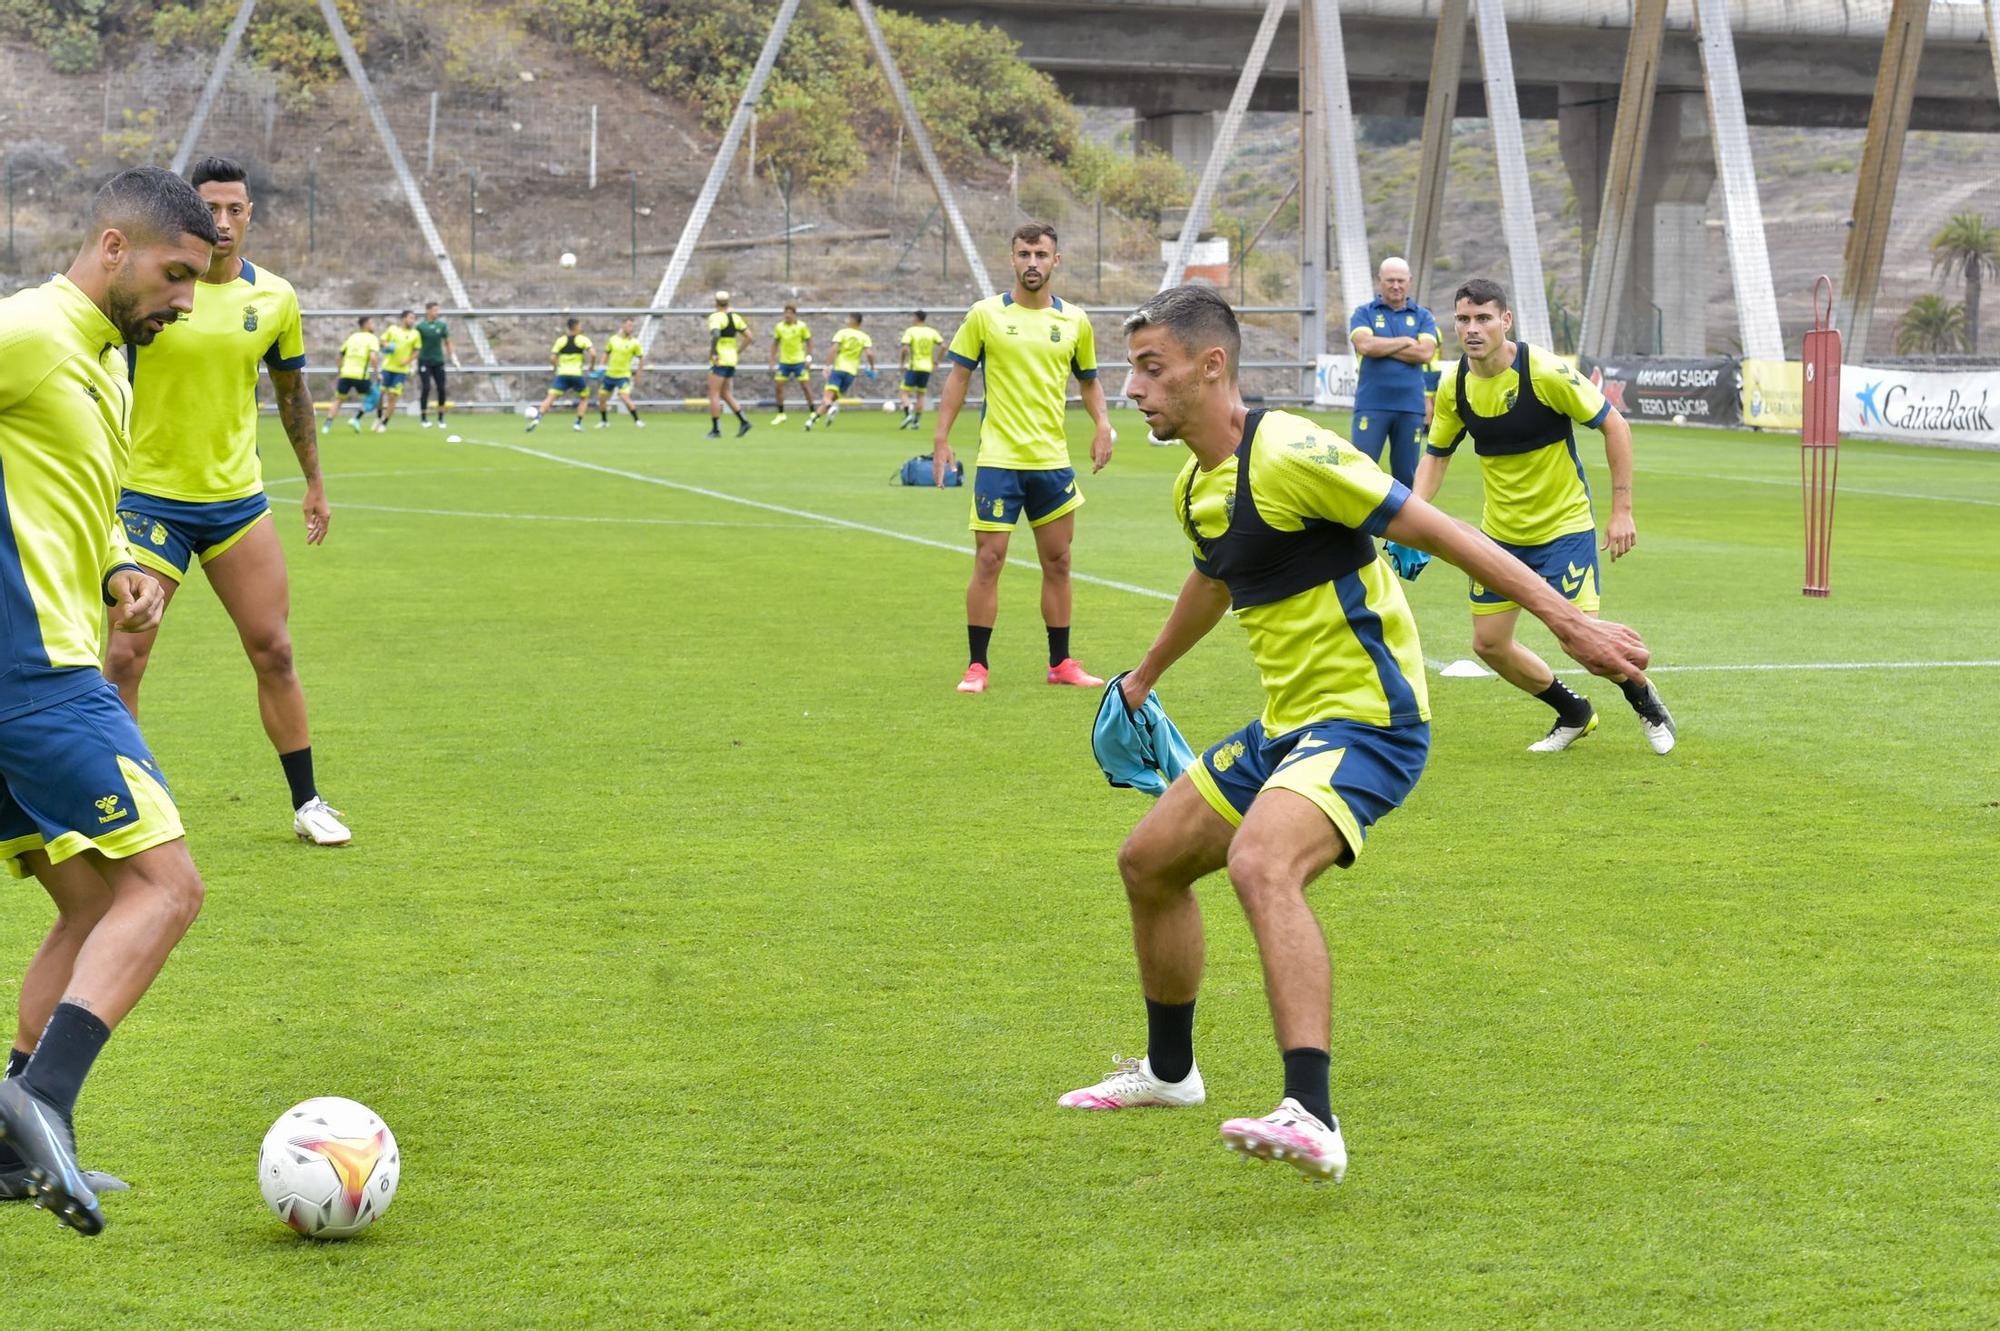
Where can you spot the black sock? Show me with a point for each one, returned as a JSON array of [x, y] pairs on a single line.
[[1572, 708], [1170, 1039], [1058, 645], [742, 418], [633, 412], [604, 415], [715, 424], [1640, 697], [298, 765], [979, 637], [70, 1044], [17, 1062], [1308, 1074]]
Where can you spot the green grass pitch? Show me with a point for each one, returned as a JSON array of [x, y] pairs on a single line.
[[717, 965]]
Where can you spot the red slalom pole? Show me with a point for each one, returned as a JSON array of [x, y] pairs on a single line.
[[1819, 439]]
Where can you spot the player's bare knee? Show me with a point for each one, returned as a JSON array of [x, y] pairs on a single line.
[[272, 655], [1492, 647], [987, 563], [1261, 878], [1055, 563]]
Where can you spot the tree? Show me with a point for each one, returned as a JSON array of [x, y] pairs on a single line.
[[1970, 248], [1930, 327]]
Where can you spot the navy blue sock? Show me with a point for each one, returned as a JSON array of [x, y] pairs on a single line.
[[979, 637], [1308, 1080], [1170, 1039], [70, 1044], [1058, 645], [298, 765]]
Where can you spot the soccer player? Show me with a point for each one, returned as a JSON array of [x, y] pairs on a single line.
[[727, 331], [1030, 343], [1280, 512], [194, 490], [1395, 338], [436, 337], [622, 356], [359, 355], [791, 359], [850, 347], [399, 359], [571, 358], [83, 807], [1522, 406], [919, 355]]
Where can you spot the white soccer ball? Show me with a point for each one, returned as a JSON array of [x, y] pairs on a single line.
[[329, 1167], [1680, 418], [568, 260], [888, 406]]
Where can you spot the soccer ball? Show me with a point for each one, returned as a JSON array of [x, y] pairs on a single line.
[[888, 406], [1680, 419], [329, 1167], [568, 260]]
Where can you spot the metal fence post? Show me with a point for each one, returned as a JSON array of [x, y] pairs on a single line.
[[593, 147], [431, 139], [312, 203], [472, 245], [13, 261], [635, 228]]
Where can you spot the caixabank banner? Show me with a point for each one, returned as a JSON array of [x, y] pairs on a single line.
[[1923, 406], [1659, 388]]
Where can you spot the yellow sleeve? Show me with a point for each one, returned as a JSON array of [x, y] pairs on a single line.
[[1446, 428], [1559, 385], [1085, 362], [1317, 474], [867, 342], [968, 343], [288, 350]]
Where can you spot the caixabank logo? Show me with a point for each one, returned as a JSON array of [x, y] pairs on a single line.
[[1900, 407]]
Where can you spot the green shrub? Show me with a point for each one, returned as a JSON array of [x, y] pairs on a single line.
[[1146, 186]]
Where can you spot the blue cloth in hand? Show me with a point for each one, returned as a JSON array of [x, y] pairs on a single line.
[[1409, 563], [1138, 750]]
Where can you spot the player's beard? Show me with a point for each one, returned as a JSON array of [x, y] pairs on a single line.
[[133, 323], [1034, 281]]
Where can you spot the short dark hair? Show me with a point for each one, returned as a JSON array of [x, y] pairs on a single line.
[[1197, 317], [223, 169], [856, 317], [1034, 231], [572, 323], [920, 316], [793, 307], [1482, 291], [362, 322], [430, 305], [406, 314], [153, 203]]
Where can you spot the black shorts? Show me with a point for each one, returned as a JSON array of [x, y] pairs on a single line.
[[343, 386]]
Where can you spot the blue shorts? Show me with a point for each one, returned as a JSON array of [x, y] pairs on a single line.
[[1001, 494], [723, 371], [167, 534], [570, 383], [1400, 430], [1355, 773], [76, 776], [840, 380], [391, 379], [612, 385], [1568, 564], [791, 369], [916, 378]]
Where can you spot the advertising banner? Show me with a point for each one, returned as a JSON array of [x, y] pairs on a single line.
[[1659, 388], [1773, 395], [1923, 406], [1334, 381]]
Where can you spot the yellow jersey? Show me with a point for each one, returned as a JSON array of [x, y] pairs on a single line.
[[399, 349], [194, 389], [65, 435], [848, 346], [792, 338], [1535, 490], [619, 353], [922, 340], [572, 355], [1329, 629], [1029, 356], [724, 328], [358, 353]]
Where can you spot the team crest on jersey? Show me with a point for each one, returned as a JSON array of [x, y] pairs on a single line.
[[1229, 507], [1055, 334], [1226, 756], [1512, 396], [249, 318]]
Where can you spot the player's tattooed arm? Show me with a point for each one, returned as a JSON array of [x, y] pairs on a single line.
[[1620, 534], [295, 410]]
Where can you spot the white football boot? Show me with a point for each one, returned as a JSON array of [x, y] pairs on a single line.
[[1561, 736], [318, 823], [1659, 730], [1133, 1086], [1290, 1134]]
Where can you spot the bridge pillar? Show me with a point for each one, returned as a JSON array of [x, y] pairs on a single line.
[[1664, 306], [1186, 136]]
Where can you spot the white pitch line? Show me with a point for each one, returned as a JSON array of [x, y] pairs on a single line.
[[372, 475], [569, 517], [894, 535], [891, 533]]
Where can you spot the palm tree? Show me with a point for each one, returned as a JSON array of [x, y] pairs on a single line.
[[1930, 327], [1968, 247]]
